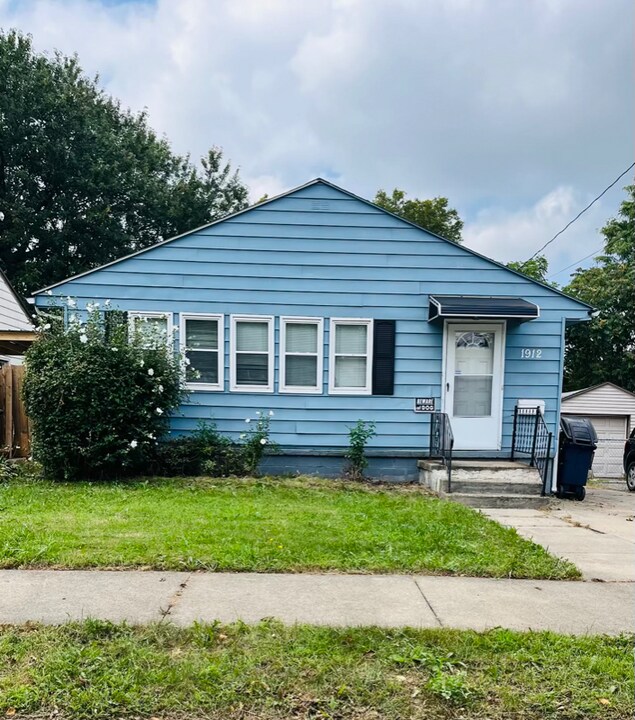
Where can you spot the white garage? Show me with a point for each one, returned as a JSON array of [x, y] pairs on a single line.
[[611, 409]]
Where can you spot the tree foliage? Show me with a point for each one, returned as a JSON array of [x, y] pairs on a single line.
[[604, 348], [536, 268], [433, 215], [84, 181]]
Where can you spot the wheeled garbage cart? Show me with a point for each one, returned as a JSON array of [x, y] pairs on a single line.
[[578, 441]]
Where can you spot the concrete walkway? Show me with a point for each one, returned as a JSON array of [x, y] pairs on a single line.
[[55, 596], [597, 535]]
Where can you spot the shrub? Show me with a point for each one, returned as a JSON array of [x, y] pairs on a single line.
[[207, 452], [358, 436], [7, 470], [204, 452], [98, 399]]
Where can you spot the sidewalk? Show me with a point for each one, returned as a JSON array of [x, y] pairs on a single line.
[[597, 535], [56, 596]]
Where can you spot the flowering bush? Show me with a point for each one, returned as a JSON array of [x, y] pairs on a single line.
[[256, 440], [98, 399]]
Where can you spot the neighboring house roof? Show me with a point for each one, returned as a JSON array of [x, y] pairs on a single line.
[[16, 329], [574, 393], [290, 192]]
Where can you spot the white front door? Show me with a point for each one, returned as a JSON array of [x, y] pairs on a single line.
[[473, 393]]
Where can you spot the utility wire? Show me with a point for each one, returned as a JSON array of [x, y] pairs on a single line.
[[606, 189], [586, 257]]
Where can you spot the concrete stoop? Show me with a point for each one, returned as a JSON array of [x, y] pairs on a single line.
[[485, 483]]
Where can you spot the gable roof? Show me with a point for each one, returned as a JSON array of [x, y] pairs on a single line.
[[287, 193], [583, 391]]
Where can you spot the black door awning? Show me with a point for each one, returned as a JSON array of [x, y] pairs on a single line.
[[478, 307]]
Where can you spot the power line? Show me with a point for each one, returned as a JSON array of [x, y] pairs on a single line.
[[606, 189], [586, 257]]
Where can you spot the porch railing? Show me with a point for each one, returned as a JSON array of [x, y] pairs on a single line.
[[531, 439], [442, 441]]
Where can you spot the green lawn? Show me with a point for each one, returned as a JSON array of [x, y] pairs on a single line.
[[259, 525], [98, 670]]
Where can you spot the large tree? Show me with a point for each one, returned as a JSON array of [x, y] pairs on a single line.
[[433, 215], [83, 180], [604, 348]]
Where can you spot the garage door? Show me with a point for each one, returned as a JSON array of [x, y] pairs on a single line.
[[611, 432]]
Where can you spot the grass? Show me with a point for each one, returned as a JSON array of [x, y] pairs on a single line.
[[258, 525], [99, 670]]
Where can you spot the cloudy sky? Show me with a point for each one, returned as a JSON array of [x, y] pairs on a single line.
[[519, 111]]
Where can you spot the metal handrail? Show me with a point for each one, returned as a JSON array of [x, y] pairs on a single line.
[[531, 436], [442, 441]]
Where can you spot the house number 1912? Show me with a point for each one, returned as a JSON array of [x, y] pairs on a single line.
[[530, 354]]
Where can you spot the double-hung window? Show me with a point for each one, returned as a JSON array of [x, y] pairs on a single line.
[[350, 357], [202, 344], [251, 364], [153, 328], [301, 355]]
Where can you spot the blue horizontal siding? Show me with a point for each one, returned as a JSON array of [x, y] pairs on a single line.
[[322, 253]]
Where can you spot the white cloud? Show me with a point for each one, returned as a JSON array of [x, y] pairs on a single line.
[[511, 109], [516, 235]]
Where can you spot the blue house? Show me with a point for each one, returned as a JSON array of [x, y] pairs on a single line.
[[326, 309]]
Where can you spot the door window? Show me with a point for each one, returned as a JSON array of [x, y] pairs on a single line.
[[473, 373]]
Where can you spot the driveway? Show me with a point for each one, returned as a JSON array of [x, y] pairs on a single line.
[[598, 534]]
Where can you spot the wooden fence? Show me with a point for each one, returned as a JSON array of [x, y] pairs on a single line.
[[15, 431]]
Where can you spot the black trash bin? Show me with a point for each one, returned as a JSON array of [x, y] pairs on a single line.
[[577, 445]]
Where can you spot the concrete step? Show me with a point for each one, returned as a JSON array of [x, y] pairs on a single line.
[[494, 500], [493, 487]]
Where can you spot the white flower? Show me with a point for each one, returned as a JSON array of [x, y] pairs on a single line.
[[263, 441], [133, 444], [71, 302], [150, 372], [151, 436], [270, 413], [83, 338], [186, 361], [242, 436], [47, 326], [49, 292], [158, 411], [141, 363], [247, 420], [160, 388], [107, 303], [115, 349]]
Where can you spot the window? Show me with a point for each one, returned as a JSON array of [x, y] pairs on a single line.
[[153, 327], [202, 344], [251, 366], [350, 356], [301, 355]]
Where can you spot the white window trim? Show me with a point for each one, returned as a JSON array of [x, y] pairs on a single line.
[[297, 389], [368, 388], [268, 388], [193, 385], [132, 314]]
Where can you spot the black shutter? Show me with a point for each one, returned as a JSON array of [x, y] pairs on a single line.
[[384, 357]]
